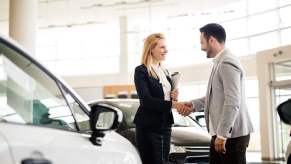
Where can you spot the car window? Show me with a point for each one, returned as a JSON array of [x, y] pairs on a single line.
[[180, 121], [28, 95], [82, 119]]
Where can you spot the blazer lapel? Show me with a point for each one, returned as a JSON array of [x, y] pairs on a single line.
[[209, 87]]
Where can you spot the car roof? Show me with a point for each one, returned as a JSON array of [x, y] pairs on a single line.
[[112, 100]]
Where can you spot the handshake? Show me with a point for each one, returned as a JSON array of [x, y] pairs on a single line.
[[183, 108]]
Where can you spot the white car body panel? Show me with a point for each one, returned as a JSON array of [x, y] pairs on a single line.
[[61, 147], [5, 156]]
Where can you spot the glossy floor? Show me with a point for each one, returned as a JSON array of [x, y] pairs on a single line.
[[255, 158]]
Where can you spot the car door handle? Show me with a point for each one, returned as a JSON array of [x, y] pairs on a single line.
[[35, 161]]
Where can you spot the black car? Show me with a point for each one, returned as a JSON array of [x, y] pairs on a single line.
[[189, 139], [284, 111]]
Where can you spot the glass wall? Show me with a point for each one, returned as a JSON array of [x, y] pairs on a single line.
[[251, 26], [80, 50]]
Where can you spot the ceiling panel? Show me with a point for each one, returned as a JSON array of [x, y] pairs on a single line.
[[67, 12]]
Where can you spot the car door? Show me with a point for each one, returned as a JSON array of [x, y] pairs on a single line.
[[41, 119], [5, 156], [55, 145]]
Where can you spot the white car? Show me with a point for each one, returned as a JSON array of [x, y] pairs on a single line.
[[43, 121]]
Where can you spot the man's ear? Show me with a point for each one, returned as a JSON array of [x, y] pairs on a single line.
[[212, 40]]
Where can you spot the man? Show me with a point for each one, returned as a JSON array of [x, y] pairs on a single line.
[[224, 105]]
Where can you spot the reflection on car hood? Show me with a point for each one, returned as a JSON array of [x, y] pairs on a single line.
[[189, 136]]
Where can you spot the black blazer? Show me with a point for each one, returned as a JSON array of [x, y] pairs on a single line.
[[154, 111]]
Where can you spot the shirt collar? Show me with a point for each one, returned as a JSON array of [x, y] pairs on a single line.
[[215, 59]]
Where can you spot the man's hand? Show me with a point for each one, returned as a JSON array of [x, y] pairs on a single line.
[[189, 104], [182, 108], [219, 145]]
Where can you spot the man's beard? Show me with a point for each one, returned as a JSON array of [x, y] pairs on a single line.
[[209, 52]]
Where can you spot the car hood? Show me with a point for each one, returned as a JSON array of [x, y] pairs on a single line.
[[189, 136]]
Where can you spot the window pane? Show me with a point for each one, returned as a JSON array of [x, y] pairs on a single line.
[[135, 42], [182, 57], [251, 88], [282, 70], [285, 16], [285, 36], [263, 22], [284, 2], [263, 42], [236, 28], [188, 92], [138, 20], [4, 27], [180, 38], [133, 61], [97, 65], [44, 53], [192, 91], [232, 10], [238, 47], [260, 5], [135, 46], [254, 112], [89, 44]]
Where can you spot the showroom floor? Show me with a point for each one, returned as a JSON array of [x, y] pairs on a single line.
[[255, 158]]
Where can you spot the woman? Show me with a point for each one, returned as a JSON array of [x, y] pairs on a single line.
[[154, 116]]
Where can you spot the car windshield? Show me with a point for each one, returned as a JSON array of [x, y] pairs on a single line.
[[181, 121], [199, 116], [128, 109], [28, 95]]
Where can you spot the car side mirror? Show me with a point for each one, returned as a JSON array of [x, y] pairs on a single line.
[[103, 118], [284, 111]]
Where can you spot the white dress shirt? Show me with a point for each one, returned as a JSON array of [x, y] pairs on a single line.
[[161, 73]]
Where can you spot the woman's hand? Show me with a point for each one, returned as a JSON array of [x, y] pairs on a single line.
[[182, 108], [175, 94]]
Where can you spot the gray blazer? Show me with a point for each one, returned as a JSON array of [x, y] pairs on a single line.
[[225, 102]]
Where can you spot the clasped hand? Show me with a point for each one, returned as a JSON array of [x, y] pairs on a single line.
[[183, 108]]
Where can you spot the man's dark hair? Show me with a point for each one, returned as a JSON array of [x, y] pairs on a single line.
[[215, 30]]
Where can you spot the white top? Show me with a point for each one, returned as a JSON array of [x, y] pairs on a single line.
[[161, 73]]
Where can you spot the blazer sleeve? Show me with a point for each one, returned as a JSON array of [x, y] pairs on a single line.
[[146, 99], [198, 104], [231, 78]]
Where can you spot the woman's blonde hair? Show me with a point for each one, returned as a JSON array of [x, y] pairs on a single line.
[[149, 44]]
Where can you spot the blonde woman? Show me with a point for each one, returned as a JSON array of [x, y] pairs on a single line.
[[154, 117]]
